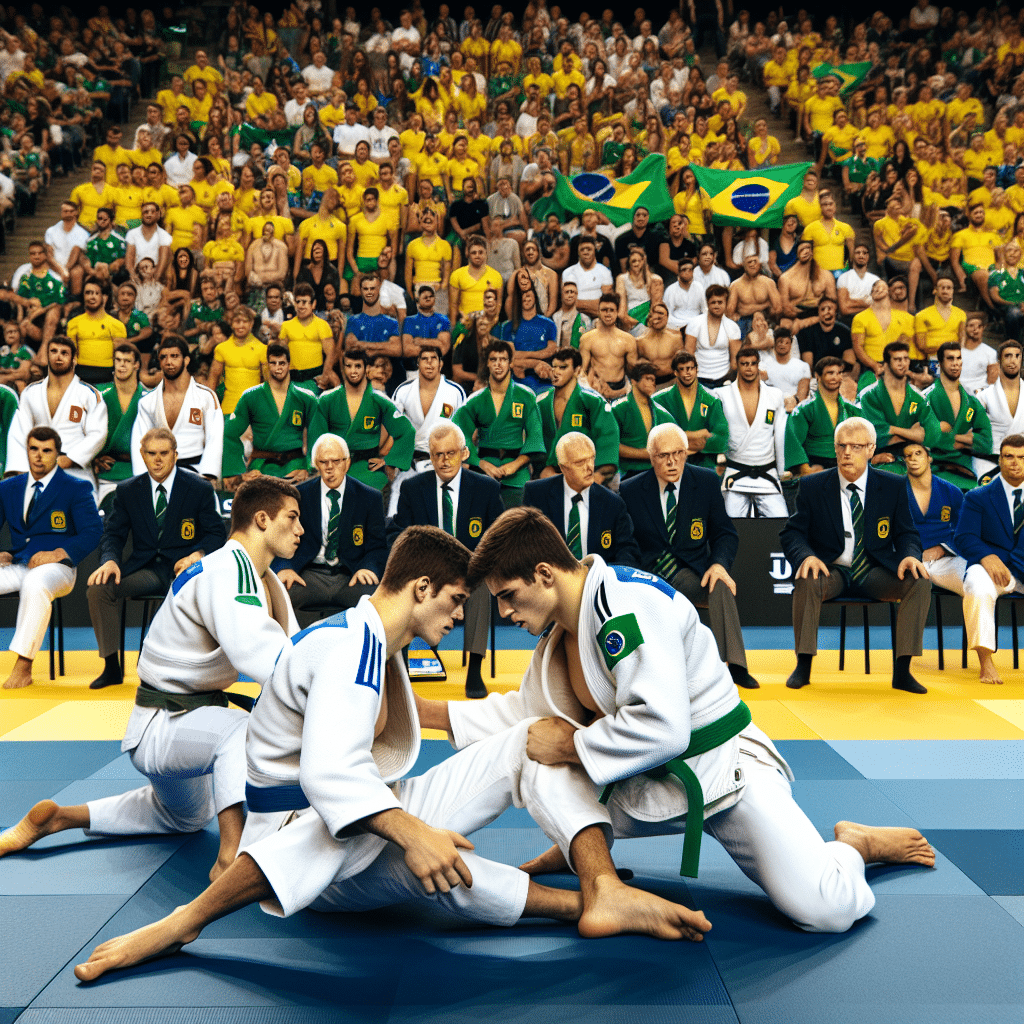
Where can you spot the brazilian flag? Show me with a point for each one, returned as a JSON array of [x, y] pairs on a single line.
[[850, 75], [250, 134], [617, 199], [750, 199]]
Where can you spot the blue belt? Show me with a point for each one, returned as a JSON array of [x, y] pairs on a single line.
[[267, 799]]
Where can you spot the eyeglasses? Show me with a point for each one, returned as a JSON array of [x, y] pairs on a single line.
[[451, 456], [679, 454], [854, 449]]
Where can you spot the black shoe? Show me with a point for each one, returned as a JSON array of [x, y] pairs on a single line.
[[104, 680], [741, 677], [475, 688], [797, 680], [910, 684]]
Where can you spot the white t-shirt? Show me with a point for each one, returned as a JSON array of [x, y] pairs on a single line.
[[147, 248], [407, 35], [589, 283], [974, 375], [683, 305], [179, 171], [785, 376], [62, 242], [713, 359], [346, 136], [858, 287], [318, 79], [716, 275], [379, 138], [293, 112]]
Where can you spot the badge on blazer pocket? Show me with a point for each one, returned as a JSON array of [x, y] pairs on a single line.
[[696, 529], [969, 416], [946, 513], [58, 521], [188, 529], [195, 416], [883, 528], [577, 419], [296, 418], [357, 536], [517, 410], [476, 526], [606, 539]]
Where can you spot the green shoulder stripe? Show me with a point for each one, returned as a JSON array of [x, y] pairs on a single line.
[[248, 592], [619, 638]]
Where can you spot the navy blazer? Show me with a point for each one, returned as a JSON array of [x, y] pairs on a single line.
[[609, 529], [479, 505], [816, 528], [986, 528], [705, 535], [192, 522], [65, 516], [362, 545]]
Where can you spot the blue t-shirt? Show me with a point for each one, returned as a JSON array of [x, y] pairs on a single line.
[[420, 326], [531, 336], [373, 329]]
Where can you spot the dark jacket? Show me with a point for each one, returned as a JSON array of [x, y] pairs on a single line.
[[986, 528], [479, 505]]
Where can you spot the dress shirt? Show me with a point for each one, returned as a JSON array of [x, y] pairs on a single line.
[[844, 490], [168, 483], [453, 486], [325, 518], [569, 494], [1009, 493], [30, 489]]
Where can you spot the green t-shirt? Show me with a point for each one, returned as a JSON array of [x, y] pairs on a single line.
[[1011, 289], [47, 289], [10, 358], [206, 314], [106, 250], [137, 322]]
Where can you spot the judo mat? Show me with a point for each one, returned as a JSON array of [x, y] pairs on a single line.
[[940, 945]]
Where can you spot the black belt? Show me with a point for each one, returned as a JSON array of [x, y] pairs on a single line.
[[418, 456], [300, 376], [150, 697], [755, 472], [190, 463], [499, 453], [365, 454], [277, 458]]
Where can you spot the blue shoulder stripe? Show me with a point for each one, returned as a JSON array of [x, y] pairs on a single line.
[[627, 574], [340, 621], [183, 577]]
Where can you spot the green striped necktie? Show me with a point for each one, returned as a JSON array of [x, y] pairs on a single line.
[[860, 566], [448, 509], [668, 565], [161, 508], [333, 527], [1018, 510], [573, 539]]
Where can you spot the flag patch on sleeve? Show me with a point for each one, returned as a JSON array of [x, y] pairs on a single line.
[[619, 638]]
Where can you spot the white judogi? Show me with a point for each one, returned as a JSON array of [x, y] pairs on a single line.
[[199, 428], [666, 680], [1003, 423], [314, 728], [214, 625], [80, 419], [760, 443], [448, 397]]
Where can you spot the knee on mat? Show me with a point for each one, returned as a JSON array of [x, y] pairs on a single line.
[[820, 912]]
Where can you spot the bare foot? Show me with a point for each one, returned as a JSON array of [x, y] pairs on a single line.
[[886, 845], [987, 672], [162, 938], [39, 822], [550, 862], [19, 678], [614, 908]]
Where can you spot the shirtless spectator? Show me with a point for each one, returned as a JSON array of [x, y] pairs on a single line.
[[752, 293], [803, 285], [608, 350], [658, 344], [593, 280]]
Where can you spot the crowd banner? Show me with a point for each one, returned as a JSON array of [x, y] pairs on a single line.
[[850, 75], [645, 186], [750, 200]]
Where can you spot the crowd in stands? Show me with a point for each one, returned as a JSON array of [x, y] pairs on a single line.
[[351, 227]]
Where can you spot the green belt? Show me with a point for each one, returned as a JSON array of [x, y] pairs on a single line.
[[150, 697], [701, 741]]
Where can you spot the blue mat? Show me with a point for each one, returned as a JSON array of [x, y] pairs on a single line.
[[18, 796], [816, 759], [933, 759], [56, 759], [957, 803], [1013, 905], [994, 858]]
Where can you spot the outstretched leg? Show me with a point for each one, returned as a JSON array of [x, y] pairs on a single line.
[[45, 818], [241, 884]]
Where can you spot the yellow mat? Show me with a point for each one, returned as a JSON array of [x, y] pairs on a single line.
[[836, 706]]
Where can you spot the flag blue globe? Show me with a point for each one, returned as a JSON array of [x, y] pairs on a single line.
[[750, 198], [594, 186]]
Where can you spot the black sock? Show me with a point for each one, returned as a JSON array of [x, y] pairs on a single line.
[[112, 666], [901, 668], [473, 672], [737, 671]]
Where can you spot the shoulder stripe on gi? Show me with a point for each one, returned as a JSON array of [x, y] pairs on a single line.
[[248, 592], [371, 661]]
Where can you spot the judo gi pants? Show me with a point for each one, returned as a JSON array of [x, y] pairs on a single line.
[[306, 865], [721, 606], [105, 604], [980, 596], [914, 597], [38, 588], [195, 763], [741, 505], [819, 885]]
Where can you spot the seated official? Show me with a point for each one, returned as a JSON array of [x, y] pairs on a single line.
[[990, 536], [173, 520], [843, 544], [591, 519], [463, 504], [54, 524], [343, 547], [685, 537]]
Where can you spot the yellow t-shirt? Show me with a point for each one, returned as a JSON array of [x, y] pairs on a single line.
[[221, 250], [510, 51], [89, 202], [351, 197], [475, 106], [412, 143], [319, 179], [179, 221], [169, 103], [391, 201], [692, 208], [829, 246], [890, 230], [206, 194], [936, 246], [259, 106], [999, 220], [145, 157], [775, 75], [957, 111], [96, 338], [459, 170], [305, 343], [110, 158], [427, 259], [241, 368], [471, 291], [840, 142], [366, 173], [283, 226], [165, 196], [562, 80], [247, 200], [543, 82], [980, 195], [875, 339], [821, 111], [334, 232], [977, 247], [756, 157], [805, 211], [128, 204], [880, 141], [975, 162], [936, 330], [371, 236], [331, 116], [737, 100], [478, 49], [432, 167]]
